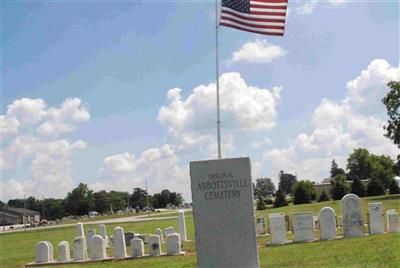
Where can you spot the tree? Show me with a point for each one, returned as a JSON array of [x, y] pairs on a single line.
[[394, 187], [336, 170], [375, 187], [303, 192], [286, 182], [280, 200], [139, 198], [359, 165], [2, 205], [357, 187], [53, 209], [101, 201], [340, 187], [260, 204], [264, 187], [119, 200], [392, 103], [383, 168], [323, 197], [80, 201]]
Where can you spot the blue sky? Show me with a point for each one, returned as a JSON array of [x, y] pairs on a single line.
[[87, 84]]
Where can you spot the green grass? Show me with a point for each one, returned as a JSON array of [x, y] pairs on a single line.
[[369, 251]]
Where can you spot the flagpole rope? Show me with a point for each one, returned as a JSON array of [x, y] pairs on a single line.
[[217, 79]]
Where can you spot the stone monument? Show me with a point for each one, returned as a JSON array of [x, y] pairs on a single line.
[[303, 226], [223, 213], [327, 223], [277, 228], [352, 219], [376, 219]]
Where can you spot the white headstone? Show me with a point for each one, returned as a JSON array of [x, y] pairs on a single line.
[[63, 251], [375, 218], [98, 248], [119, 243], [160, 234], [223, 213], [389, 211], [80, 249], [173, 244], [303, 226], [169, 230], [277, 228], [50, 251], [394, 222], [137, 247], [79, 230], [42, 252], [90, 234], [353, 222], [154, 245], [327, 223], [260, 225], [103, 234], [182, 225]]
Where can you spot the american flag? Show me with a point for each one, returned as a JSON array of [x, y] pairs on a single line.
[[257, 16]]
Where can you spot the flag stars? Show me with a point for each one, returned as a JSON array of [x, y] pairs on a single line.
[[238, 5]]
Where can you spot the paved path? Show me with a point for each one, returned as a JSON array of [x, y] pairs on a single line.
[[115, 220]]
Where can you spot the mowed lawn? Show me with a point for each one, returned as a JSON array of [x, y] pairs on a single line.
[[16, 249]]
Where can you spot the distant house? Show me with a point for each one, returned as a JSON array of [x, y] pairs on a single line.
[[10, 216], [326, 186]]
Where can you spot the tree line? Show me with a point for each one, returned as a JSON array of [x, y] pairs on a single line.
[[82, 200]]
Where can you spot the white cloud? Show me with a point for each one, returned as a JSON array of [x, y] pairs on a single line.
[[259, 51], [245, 108], [341, 127], [308, 7], [32, 141]]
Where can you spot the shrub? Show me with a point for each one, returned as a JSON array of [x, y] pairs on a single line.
[[280, 200], [302, 193], [394, 187], [339, 187], [261, 204], [357, 187], [375, 187], [323, 197]]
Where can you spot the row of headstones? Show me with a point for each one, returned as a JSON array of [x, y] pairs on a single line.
[[98, 243], [97, 246], [303, 224]]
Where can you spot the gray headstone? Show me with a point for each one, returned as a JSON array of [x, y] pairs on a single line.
[[327, 223], [63, 251], [50, 250], [173, 244], [260, 225], [376, 219], [394, 222], [182, 225], [90, 234], [387, 218], [42, 252], [137, 247], [154, 245], [223, 213], [353, 222], [160, 234], [277, 228], [80, 249], [98, 248], [303, 226], [119, 243], [128, 237], [79, 230]]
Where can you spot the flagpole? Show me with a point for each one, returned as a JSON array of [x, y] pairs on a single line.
[[217, 80]]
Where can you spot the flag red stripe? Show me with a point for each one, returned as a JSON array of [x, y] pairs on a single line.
[[270, 7], [270, 1], [267, 13], [251, 19], [254, 25], [252, 31]]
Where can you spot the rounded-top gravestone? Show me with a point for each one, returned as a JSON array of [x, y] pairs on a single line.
[[352, 219], [327, 223]]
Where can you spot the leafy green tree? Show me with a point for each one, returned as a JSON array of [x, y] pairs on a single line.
[[340, 187], [280, 200], [394, 187], [101, 201], [375, 187], [53, 209], [286, 182], [392, 103], [264, 187], [260, 204], [357, 187], [119, 200], [359, 165], [336, 170], [80, 201], [139, 198], [303, 192], [383, 168], [323, 197]]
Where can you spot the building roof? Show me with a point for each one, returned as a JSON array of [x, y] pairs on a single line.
[[20, 211], [7, 214]]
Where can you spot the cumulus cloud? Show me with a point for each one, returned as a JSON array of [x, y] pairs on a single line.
[[32, 139], [341, 127], [259, 51], [158, 166], [243, 107], [308, 7]]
